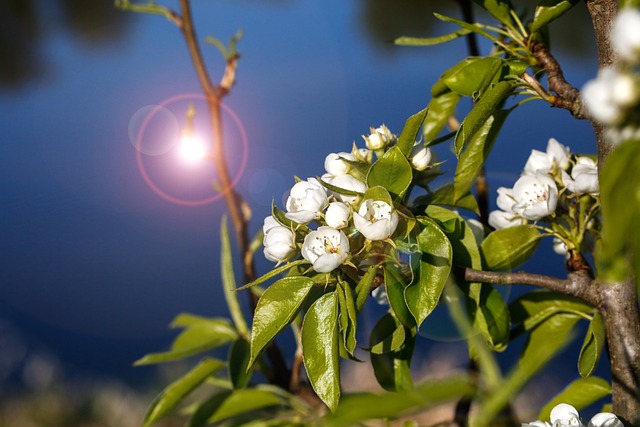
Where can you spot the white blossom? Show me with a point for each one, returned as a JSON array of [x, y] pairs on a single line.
[[565, 415], [335, 165], [542, 162], [379, 294], [625, 37], [268, 223], [379, 138], [422, 157], [598, 98], [560, 247], [325, 248], [375, 219], [279, 243], [605, 419], [349, 183], [536, 196], [583, 178], [502, 219], [362, 154], [337, 215], [306, 200], [536, 423]]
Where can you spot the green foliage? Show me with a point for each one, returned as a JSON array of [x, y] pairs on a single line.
[[591, 350], [580, 394], [550, 10], [510, 247], [392, 172]]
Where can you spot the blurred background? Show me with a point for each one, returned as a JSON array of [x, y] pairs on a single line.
[[95, 263]]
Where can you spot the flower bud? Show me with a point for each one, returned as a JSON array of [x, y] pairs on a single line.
[[421, 157], [279, 244], [337, 215], [306, 200], [349, 183], [379, 138], [335, 165]]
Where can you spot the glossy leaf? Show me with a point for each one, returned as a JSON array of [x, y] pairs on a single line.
[[378, 193], [423, 295], [393, 369], [473, 158], [230, 403], [500, 9], [430, 41], [619, 181], [534, 308], [410, 132], [490, 316], [481, 112], [276, 271], [395, 285], [171, 396], [592, 347], [229, 281], [355, 409], [509, 247], [579, 394], [550, 10], [363, 288], [393, 172], [320, 349], [474, 77], [387, 335], [239, 357], [276, 308], [348, 314], [200, 335], [441, 107]]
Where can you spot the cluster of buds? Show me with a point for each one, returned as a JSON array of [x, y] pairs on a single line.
[[613, 99], [347, 216], [557, 189], [566, 415]]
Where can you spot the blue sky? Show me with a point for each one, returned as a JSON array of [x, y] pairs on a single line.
[[94, 263]]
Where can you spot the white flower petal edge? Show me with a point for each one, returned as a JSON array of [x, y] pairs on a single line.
[[335, 165], [348, 182], [565, 415], [337, 215], [279, 243], [605, 419], [375, 219], [306, 200], [325, 248]]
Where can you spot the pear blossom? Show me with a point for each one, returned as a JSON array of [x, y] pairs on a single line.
[[505, 199], [325, 248], [379, 138], [362, 154], [542, 162], [599, 99], [583, 178], [625, 37], [279, 241], [502, 219], [560, 247], [349, 183], [536, 196], [334, 163], [306, 200], [566, 415], [422, 157], [337, 215], [375, 219]]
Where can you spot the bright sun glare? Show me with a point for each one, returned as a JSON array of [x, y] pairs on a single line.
[[192, 149]]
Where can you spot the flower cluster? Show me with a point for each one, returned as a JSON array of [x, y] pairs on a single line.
[[557, 188], [613, 99], [346, 215], [566, 415]]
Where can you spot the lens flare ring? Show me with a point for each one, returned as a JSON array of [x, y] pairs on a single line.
[[177, 200]]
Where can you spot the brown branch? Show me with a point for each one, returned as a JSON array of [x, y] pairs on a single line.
[[567, 96], [578, 284]]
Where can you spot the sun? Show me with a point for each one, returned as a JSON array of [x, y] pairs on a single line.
[[192, 149]]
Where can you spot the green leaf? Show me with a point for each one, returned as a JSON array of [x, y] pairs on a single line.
[[363, 289], [395, 285], [430, 41], [273, 273], [229, 281], [171, 396], [478, 148], [592, 347], [423, 295], [534, 308], [619, 183], [320, 348], [579, 394], [393, 368], [549, 10], [509, 247], [355, 409], [239, 370], [231, 403], [481, 112], [378, 193], [387, 335], [474, 77], [348, 314], [393, 172], [410, 132], [276, 308], [500, 9], [440, 108], [201, 334]]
